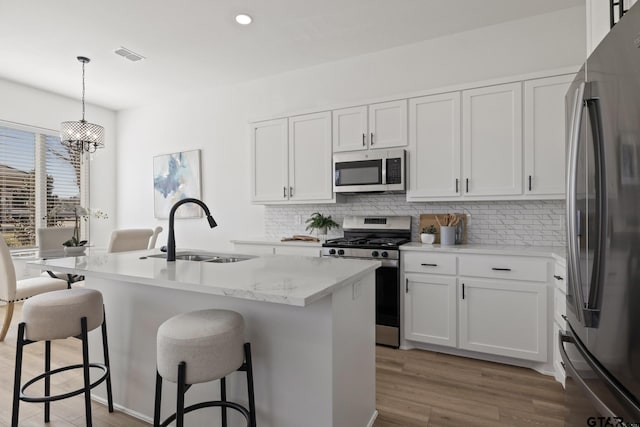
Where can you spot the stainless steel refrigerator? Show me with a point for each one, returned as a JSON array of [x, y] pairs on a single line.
[[601, 345]]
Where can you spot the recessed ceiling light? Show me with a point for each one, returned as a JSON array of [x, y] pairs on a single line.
[[243, 19]]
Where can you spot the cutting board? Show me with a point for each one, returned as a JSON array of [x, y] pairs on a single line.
[[430, 219]]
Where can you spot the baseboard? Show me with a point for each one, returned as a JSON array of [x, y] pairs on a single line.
[[122, 409], [373, 418]]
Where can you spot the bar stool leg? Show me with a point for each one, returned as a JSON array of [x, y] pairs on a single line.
[[252, 403], [85, 365], [223, 397], [158, 400], [17, 376], [182, 377], [105, 349], [47, 380]]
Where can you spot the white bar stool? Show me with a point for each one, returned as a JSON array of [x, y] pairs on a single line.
[[60, 315], [199, 347]]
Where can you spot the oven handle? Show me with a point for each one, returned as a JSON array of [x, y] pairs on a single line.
[[385, 262]]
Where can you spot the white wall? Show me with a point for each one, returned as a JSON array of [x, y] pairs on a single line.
[[215, 121], [29, 106]]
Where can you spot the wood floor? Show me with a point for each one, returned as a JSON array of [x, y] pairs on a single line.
[[414, 388]]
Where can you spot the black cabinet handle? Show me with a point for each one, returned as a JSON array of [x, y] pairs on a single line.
[[467, 185], [463, 291], [290, 191], [555, 276], [363, 139], [371, 140], [529, 182], [500, 269], [429, 265], [456, 185], [406, 286], [284, 192]]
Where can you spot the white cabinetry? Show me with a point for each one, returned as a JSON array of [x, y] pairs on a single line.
[[491, 304], [269, 160], [381, 125], [275, 248], [544, 135], [492, 140], [434, 144], [291, 160], [559, 324]]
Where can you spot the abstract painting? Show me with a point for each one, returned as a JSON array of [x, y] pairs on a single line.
[[176, 176]]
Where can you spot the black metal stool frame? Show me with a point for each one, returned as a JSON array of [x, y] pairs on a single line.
[[19, 392], [183, 387]]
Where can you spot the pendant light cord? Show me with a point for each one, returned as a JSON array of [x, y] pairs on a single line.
[[83, 64]]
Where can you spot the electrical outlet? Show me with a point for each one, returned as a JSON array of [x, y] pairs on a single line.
[[297, 220]]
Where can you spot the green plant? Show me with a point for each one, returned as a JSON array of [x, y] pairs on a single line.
[[429, 230], [317, 220], [80, 214]]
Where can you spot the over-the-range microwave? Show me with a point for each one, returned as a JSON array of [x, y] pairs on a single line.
[[369, 171]]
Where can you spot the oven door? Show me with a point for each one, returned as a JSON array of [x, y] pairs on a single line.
[[388, 306]]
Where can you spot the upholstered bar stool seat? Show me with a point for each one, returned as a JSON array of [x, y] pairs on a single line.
[[59, 315], [199, 347]]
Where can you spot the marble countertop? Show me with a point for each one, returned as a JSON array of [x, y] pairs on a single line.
[[283, 279], [262, 240], [556, 252]]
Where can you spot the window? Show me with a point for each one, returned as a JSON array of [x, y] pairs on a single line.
[[41, 182]]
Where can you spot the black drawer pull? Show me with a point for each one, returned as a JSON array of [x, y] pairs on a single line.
[[500, 269], [429, 265], [463, 291], [555, 276]]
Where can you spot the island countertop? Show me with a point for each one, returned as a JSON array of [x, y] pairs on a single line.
[[282, 279]]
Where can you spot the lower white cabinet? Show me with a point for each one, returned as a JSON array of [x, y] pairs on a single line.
[[504, 317], [430, 314], [275, 249]]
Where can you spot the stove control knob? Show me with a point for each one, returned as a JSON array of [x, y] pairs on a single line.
[[340, 252], [332, 251], [384, 254], [374, 254]]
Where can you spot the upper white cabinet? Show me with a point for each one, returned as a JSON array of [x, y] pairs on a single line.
[[434, 145], [381, 125], [492, 140], [291, 160], [269, 160], [544, 136]]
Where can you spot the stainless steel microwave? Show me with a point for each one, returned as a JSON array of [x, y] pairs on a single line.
[[369, 171]]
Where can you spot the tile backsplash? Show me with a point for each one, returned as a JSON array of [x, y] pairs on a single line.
[[521, 222]]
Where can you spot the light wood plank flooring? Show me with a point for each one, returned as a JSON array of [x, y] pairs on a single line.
[[414, 388]]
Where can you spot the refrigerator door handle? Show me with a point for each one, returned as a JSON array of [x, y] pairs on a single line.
[[574, 288]]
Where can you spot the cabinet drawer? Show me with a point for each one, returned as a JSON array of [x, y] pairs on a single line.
[[560, 277], [560, 306], [427, 262], [504, 267]]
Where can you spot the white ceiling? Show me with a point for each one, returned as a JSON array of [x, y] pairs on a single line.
[[196, 43]]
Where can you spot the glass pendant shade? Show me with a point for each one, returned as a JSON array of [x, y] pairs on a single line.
[[82, 135]]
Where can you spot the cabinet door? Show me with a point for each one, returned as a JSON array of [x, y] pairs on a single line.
[[269, 158], [297, 250], [430, 309], [249, 249], [492, 140], [544, 135], [434, 141], [310, 157], [350, 129], [388, 124], [507, 318]]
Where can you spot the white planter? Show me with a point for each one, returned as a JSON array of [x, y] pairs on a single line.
[[74, 250], [427, 238]]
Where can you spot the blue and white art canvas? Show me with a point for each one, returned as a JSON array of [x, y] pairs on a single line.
[[176, 176]]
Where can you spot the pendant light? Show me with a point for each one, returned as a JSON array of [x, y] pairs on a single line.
[[82, 135]]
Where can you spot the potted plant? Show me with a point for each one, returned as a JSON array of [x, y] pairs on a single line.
[[428, 234], [75, 246], [321, 223]]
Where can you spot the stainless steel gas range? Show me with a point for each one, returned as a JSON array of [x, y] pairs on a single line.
[[377, 237]]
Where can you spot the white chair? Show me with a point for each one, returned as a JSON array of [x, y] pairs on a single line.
[[132, 239], [12, 290], [50, 239]]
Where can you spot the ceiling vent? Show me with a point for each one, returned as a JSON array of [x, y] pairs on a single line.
[[130, 55]]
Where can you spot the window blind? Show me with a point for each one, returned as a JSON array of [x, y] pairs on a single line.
[[63, 174]]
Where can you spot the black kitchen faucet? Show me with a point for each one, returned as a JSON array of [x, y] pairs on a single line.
[[171, 241]]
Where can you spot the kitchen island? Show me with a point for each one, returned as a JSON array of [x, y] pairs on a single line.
[[310, 321]]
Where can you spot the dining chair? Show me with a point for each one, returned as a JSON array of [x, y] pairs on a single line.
[[132, 239], [12, 290], [154, 237], [50, 240]]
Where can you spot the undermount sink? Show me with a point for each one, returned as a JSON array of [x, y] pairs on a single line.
[[205, 257]]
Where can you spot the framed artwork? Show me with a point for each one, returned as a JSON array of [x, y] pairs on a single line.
[[176, 176]]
